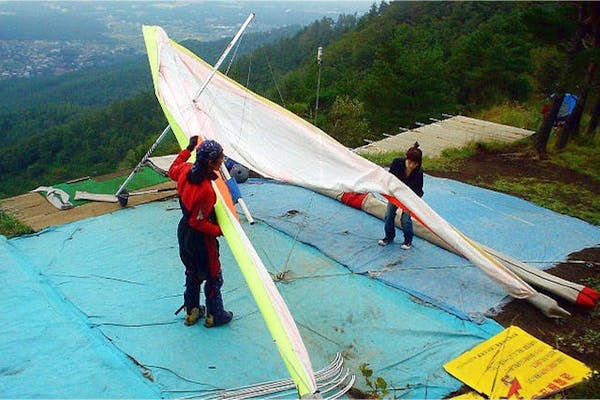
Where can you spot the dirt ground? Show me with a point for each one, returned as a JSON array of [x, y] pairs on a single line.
[[36, 212], [579, 334], [486, 166]]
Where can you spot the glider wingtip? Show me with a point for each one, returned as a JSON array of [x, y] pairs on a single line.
[[588, 297]]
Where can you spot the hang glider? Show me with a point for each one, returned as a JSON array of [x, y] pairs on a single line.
[[269, 301], [277, 144]]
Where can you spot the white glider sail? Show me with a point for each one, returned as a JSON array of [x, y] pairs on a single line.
[[280, 145]]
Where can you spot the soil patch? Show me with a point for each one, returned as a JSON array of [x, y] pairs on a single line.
[[487, 166], [579, 334], [575, 335]]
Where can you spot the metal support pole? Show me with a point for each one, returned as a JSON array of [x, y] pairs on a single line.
[[122, 194], [319, 60], [141, 163], [222, 58]]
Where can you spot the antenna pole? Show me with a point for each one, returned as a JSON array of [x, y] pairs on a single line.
[[319, 60]]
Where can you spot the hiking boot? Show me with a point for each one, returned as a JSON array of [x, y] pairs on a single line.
[[192, 316], [211, 321], [385, 241], [405, 246]]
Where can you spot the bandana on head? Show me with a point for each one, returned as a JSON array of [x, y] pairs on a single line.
[[209, 150]]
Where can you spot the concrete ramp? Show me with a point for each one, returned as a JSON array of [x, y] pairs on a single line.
[[453, 132]]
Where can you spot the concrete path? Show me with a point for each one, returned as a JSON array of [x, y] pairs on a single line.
[[456, 131]]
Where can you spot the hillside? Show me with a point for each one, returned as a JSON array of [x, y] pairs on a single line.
[[105, 85], [401, 63]]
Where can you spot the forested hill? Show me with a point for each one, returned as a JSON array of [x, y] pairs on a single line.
[[405, 62], [107, 85], [400, 63]]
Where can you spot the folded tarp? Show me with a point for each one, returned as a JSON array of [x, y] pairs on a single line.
[[57, 197]]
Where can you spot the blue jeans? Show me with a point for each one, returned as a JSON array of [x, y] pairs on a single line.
[[390, 224]]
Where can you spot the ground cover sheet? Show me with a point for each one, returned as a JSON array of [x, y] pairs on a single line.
[[107, 288], [515, 227]]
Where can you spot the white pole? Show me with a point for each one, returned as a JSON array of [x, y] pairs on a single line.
[[222, 58], [319, 59], [240, 201]]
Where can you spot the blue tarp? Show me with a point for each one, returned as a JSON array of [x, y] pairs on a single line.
[[505, 223], [89, 305]]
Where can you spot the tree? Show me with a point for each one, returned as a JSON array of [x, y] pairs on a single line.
[[572, 124], [407, 81], [347, 122], [541, 136], [587, 37], [593, 125], [492, 62]]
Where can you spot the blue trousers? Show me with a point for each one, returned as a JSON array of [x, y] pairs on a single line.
[[390, 224]]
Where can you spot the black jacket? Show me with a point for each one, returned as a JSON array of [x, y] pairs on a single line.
[[413, 181]]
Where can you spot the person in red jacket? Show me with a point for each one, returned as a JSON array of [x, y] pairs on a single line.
[[198, 230]]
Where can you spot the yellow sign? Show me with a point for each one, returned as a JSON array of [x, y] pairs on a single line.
[[514, 364], [469, 396]]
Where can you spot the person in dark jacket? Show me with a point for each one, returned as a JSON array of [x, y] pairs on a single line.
[[408, 170], [197, 231]]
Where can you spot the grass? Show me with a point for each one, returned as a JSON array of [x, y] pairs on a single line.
[[552, 196], [382, 158], [582, 157], [589, 389], [448, 161], [10, 226], [522, 115], [586, 343]]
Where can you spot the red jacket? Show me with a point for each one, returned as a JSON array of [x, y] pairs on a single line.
[[199, 200]]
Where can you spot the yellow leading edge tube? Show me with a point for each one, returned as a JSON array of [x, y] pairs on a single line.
[[270, 303]]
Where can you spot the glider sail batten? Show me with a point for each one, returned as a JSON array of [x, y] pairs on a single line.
[[268, 299]]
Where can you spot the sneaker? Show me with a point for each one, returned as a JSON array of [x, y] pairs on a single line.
[[211, 321], [405, 246], [385, 241], [192, 316]]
